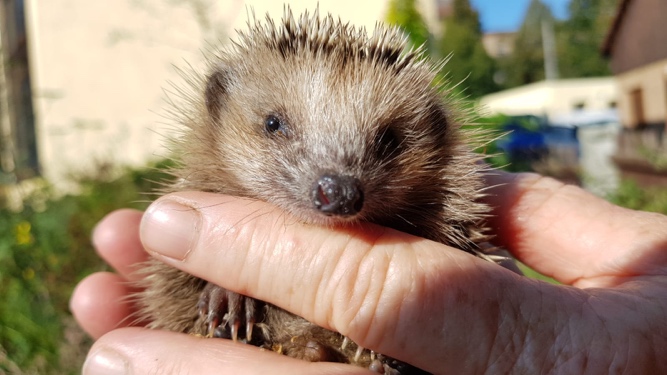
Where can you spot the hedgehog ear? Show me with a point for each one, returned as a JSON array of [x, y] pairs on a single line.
[[216, 92], [439, 117]]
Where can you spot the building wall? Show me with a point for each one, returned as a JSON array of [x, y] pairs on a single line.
[[640, 37], [499, 44], [553, 98], [648, 85], [99, 69]]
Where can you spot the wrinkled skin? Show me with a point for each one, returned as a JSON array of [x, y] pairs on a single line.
[[440, 309]]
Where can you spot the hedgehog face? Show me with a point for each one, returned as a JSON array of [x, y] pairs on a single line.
[[328, 123], [332, 143]]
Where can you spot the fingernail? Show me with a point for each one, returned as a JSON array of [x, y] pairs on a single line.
[[106, 361], [170, 228]]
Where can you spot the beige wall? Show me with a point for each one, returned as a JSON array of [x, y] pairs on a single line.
[[553, 98], [499, 44], [99, 68], [652, 81]]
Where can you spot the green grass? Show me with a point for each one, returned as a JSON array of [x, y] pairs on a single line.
[[631, 195]]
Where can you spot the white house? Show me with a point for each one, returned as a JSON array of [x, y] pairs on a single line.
[[553, 98]]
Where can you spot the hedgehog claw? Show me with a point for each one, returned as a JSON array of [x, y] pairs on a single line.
[[346, 341], [358, 353], [222, 312], [234, 330], [248, 331]]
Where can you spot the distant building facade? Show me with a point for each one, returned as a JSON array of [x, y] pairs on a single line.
[[554, 98], [637, 48], [500, 44]]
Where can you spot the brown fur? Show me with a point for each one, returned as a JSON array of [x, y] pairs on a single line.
[[349, 103]]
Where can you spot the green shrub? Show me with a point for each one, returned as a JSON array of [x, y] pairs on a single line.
[[45, 250]]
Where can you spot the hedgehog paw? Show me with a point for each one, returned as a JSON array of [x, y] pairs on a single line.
[[227, 314]]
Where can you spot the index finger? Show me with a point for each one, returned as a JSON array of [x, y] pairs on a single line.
[[116, 240]]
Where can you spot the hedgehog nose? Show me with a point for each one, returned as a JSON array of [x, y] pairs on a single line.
[[337, 195]]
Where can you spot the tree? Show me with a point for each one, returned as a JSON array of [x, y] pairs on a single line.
[[526, 64], [404, 14], [462, 44], [580, 38]]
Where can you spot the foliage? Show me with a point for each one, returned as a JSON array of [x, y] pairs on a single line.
[[462, 44], [580, 38], [629, 194], [578, 42], [474, 73], [404, 14], [466, 16], [526, 64], [44, 252]]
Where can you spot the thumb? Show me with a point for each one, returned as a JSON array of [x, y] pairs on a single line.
[[435, 307], [143, 351]]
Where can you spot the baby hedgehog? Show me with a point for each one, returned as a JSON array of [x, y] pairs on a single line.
[[334, 126]]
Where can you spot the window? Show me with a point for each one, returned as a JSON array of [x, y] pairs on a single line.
[[18, 146]]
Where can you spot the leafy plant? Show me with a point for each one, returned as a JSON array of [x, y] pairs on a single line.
[[404, 14], [45, 250]]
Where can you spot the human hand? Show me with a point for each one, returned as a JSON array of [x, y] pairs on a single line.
[[419, 301]]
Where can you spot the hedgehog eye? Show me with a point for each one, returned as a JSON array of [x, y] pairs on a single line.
[[387, 141], [274, 125]]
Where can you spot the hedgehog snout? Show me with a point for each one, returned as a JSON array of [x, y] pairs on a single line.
[[337, 195]]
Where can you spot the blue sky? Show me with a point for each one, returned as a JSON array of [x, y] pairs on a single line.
[[507, 15]]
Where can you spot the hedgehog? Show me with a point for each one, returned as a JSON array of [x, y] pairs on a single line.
[[334, 126]]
